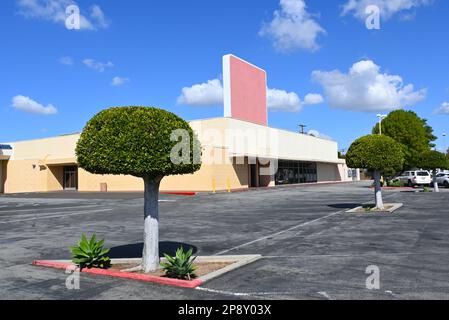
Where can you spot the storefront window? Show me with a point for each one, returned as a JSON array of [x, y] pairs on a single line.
[[292, 172]]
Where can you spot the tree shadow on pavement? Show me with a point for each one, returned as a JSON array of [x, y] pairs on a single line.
[[135, 250], [345, 205]]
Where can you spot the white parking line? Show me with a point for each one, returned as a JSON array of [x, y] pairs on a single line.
[[242, 294], [55, 208], [279, 233], [290, 229], [325, 294], [58, 215]]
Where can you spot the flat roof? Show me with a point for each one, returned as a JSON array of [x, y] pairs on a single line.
[[45, 138]]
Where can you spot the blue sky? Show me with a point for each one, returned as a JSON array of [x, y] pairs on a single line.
[[156, 48]]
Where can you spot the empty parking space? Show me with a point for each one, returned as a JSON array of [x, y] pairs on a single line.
[[311, 247]]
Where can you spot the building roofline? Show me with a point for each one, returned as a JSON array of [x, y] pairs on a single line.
[[45, 138]]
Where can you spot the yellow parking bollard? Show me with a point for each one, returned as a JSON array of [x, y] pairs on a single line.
[[229, 184], [213, 185]]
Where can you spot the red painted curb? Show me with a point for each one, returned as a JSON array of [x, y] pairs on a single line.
[[180, 193], [124, 275]]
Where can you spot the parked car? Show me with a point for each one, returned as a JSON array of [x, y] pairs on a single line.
[[415, 178], [443, 179]]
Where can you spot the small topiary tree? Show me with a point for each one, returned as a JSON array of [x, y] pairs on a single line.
[[143, 142], [379, 154], [432, 160]]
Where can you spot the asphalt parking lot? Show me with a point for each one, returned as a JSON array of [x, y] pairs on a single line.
[[311, 248]]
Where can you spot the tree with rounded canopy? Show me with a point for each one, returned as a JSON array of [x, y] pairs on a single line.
[[376, 153], [433, 160], [143, 142], [411, 131]]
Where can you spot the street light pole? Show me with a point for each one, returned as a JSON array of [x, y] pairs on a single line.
[[381, 117], [445, 144]]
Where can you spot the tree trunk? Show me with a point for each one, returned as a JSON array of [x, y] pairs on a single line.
[[378, 190], [150, 255], [435, 183]]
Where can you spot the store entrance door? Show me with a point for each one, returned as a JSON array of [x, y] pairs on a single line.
[[253, 176], [70, 178]]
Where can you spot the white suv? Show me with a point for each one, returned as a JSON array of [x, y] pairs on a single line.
[[443, 179], [416, 177]]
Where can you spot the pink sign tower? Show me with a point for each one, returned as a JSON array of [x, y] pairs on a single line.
[[245, 90]]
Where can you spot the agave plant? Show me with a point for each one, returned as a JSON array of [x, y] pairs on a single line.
[[181, 265], [90, 253]]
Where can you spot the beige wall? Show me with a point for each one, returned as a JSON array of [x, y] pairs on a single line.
[[219, 175], [92, 182], [253, 139], [24, 176], [61, 147], [55, 178]]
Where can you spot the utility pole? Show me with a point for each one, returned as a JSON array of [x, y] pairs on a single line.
[[302, 126]]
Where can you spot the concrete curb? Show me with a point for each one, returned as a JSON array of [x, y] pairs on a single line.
[[395, 206], [124, 275], [242, 260], [238, 261]]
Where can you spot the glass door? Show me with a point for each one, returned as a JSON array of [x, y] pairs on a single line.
[[71, 178]]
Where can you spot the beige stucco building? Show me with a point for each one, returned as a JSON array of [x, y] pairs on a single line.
[[233, 154]]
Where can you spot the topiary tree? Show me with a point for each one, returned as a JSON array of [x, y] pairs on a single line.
[[432, 160], [379, 154], [143, 142]]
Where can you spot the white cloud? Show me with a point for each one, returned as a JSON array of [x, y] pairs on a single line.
[[444, 109], [313, 98], [318, 134], [26, 104], [96, 65], [98, 15], [55, 11], [293, 28], [280, 100], [119, 81], [209, 93], [388, 8], [68, 61], [364, 88]]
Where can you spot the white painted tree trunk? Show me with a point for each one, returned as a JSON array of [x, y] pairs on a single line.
[[435, 183], [150, 255], [378, 190]]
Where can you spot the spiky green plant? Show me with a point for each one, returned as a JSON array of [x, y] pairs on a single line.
[[181, 265], [90, 253]]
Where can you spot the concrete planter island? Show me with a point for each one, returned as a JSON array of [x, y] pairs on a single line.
[[235, 261], [389, 208]]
